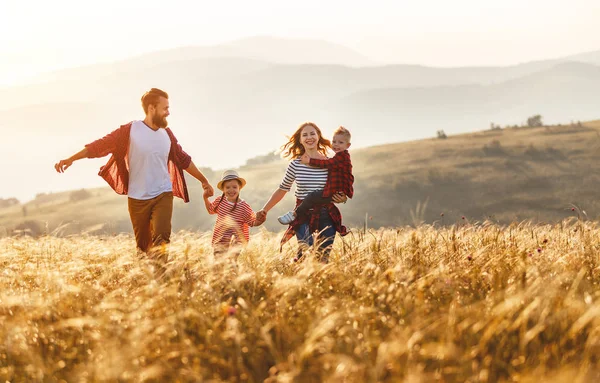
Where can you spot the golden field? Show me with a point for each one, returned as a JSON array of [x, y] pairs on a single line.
[[472, 302]]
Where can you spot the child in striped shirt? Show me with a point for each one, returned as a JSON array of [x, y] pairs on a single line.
[[234, 215]]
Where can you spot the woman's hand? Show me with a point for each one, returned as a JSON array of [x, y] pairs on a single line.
[[339, 197]]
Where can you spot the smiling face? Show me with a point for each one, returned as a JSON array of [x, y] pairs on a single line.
[[309, 138], [340, 142], [231, 189]]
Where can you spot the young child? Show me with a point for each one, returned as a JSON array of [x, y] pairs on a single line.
[[234, 215], [339, 176]]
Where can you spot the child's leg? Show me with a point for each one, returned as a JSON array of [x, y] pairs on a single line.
[[312, 199]]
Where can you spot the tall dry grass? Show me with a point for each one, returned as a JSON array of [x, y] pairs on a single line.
[[470, 303]]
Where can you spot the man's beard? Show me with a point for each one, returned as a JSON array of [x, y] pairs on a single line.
[[160, 122]]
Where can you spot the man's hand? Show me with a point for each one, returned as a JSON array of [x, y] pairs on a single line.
[[63, 165], [261, 217], [305, 159], [208, 190], [339, 197]]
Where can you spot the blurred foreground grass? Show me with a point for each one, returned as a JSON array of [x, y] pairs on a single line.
[[470, 303]]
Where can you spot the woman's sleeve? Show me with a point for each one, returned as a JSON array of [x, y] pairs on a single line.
[[289, 178]]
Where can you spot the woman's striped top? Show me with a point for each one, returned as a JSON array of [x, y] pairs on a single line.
[[307, 179], [230, 224]]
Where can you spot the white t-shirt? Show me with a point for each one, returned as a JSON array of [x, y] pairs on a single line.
[[148, 158]]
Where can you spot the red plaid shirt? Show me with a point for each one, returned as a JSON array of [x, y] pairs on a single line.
[[312, 217], [116, 170], [339, 176]]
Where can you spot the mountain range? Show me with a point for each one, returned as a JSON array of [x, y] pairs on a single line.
[[255, 92]]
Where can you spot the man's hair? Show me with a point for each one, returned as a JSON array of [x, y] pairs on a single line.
[[151, 97], [344, 132]]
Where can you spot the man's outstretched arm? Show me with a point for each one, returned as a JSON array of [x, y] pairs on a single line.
[[98, 148], [63, 165]]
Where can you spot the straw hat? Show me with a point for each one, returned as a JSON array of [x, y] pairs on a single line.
[[230, 175]]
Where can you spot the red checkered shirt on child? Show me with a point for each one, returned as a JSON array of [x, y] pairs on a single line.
[[339, 175]]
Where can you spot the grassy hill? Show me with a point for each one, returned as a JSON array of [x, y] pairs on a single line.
[[501, 175]]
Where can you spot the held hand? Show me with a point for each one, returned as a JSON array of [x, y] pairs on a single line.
[[208, 190], [63, 165], [305, 159], [261, 217], [339, 197]]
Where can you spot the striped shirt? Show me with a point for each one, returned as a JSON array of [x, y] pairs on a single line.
[[307, 179], [230, 224]]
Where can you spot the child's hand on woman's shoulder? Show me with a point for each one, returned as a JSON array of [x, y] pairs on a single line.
[[305, 159]]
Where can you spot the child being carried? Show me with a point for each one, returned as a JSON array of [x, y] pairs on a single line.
[[339, 176]]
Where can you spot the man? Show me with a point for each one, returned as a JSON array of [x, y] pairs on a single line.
[[146, 164]]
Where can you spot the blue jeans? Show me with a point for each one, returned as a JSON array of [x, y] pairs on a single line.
[[325, 238]]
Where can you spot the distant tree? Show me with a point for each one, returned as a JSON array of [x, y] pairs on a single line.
[[32, 228], [535, 121], [441, 134], [79, 195], [263, 159], [46, 197], [8, 202], [493, 149]]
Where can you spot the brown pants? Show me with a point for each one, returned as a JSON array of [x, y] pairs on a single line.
[[151, 221]]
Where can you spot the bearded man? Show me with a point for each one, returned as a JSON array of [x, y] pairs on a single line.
[[147, 165]]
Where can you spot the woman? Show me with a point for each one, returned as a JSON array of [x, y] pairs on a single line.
[[325, 219]]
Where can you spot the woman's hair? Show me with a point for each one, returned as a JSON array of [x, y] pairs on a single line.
[[223, 196], [294, 149]]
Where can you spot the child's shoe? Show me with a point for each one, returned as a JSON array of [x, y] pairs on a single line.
[[287, 218]]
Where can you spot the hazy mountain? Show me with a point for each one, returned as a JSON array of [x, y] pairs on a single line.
[[253, 104], [250, 53], [592, 57], [563, 93]]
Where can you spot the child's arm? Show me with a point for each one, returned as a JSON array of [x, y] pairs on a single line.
[[207, 203], [250, 216], [329, 163], [252, 221]]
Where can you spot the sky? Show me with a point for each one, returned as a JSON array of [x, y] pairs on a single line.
[[38, 36]]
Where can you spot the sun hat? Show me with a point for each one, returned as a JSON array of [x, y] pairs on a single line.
[[230, 175]]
